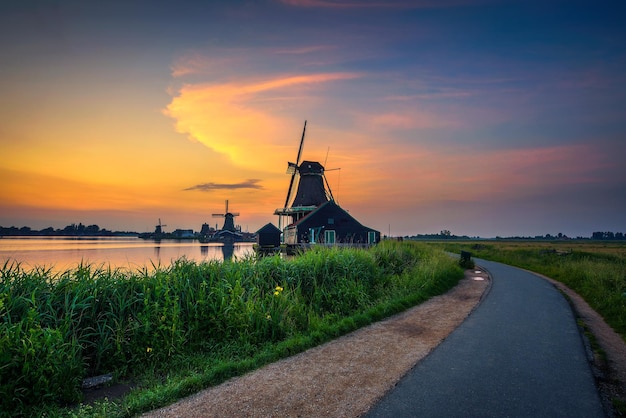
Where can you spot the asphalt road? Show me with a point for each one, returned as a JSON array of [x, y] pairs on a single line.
[[519, 354]]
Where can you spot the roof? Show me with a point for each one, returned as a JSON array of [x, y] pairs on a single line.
[[310, 167], [268, 228], [322, 206]]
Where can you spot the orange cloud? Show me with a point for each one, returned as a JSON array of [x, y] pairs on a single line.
[[238, 119]]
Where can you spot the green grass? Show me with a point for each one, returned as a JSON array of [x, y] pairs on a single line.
[[596, 271], [182, 328]]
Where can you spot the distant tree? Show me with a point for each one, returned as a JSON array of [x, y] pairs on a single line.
[[92, 230], [619, 235]]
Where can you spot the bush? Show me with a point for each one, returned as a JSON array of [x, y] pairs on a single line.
[[38, 366], [57, 329]]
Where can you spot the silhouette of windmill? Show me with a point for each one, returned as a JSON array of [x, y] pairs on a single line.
[[313, 188], [158, 230], [229, 219]]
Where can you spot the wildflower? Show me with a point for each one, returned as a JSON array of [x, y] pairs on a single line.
[[278, 290], [149, 350], [268, 317]]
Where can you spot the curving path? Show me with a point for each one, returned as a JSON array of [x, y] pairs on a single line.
[[519, 354]]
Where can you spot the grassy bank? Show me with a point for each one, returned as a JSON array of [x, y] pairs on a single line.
[[594, 270], [182, 328]]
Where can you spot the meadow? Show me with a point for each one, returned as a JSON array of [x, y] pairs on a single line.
[[173, 331], [596, 270]]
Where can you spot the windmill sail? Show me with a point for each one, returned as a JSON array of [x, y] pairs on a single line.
[[293, 168]]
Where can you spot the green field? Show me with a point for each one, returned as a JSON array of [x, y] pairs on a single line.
[[596, 270], [179, 329]]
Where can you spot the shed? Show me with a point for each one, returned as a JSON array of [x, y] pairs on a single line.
[[268, 236]]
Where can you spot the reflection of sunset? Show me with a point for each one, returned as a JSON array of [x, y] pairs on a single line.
[[431, 129]]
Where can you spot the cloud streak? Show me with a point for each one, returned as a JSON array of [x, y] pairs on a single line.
[[244, 119], [209, 187], [375, 4]]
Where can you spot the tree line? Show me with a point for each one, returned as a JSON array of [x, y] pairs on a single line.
[[608, 235], [71, 230]]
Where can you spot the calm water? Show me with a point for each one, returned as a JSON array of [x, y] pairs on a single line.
[[62, 253]]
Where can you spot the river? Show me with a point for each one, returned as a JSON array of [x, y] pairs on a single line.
[[63, 253]]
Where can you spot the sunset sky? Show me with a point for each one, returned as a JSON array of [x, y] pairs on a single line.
[[483, 117]]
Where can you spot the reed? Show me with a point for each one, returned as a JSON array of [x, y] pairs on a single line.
[[229, 317]]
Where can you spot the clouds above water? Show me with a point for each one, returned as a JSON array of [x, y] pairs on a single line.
[[208, 187]]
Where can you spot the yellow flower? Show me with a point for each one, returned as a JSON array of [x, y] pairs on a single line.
[[268, 317], [149, 350], [279, 289], [277, 293]]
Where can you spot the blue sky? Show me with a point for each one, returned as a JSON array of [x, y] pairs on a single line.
[[481, 117]]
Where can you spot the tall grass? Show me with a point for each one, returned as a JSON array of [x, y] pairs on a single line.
[[56, 329]]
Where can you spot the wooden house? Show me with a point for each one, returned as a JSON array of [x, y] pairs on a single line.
[[329, 224], [312, 216]]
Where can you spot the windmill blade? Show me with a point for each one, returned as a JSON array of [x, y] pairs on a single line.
[[301, 145], [293, 176], [330, 192], [291, 168], [294, 167], [235, 214], [218, 215]]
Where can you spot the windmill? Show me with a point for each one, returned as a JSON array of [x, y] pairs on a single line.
[[158, 230], [229, 219], [313, 189]]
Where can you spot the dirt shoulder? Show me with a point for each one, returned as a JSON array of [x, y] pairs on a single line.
[[344, 377], [609, 367]]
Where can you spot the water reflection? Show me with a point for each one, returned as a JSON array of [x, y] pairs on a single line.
[[126, 253], [227, 251]]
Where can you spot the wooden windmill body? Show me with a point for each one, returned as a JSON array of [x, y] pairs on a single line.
[[312, 216]]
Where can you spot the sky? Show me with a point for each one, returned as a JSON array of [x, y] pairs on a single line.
[[482, 117]]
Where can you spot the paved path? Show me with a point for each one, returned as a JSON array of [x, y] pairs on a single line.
[[519, 354]]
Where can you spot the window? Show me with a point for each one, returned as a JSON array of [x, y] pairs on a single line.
[[371, 237], [329, 237]]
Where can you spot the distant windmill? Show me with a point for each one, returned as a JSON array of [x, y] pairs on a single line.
[[313, 189], [229, 219], [159, 228]]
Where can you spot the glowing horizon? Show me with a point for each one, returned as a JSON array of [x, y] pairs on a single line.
[[436, 116]]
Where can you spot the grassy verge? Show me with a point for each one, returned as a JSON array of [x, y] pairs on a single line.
[[190, 326], [596, 272]]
